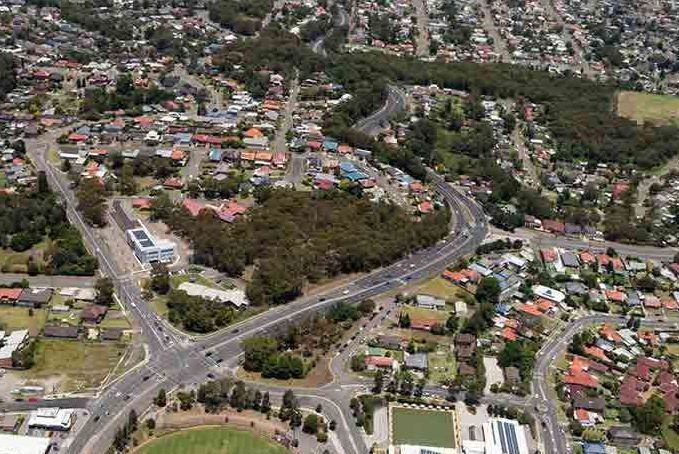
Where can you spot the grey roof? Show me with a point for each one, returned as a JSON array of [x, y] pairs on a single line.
[[416, 361], [575, 288], [428, 300], [61, 331], [35, 296], [569, 259]]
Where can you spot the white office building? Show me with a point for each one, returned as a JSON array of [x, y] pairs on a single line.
[[22, 444], [148, 249], [51, 419]]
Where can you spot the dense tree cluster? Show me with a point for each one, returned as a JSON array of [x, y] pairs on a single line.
[[196, 314], [577, 111], [297, 236], [125, 96], [91, 196], [7, 74], [520, 355], [85, 15], [282, 357], [29, 218], [244, 18]]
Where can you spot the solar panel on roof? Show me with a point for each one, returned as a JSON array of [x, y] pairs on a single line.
[[503, 442]]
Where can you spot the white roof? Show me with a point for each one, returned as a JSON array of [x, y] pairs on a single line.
[[234, 296], [21, 444], [57, 418], [549, 293], [13, 342]]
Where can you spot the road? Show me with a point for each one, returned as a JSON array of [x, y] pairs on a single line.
[[280, 142], [49, 281], [422, 18], [176, 360], [340, 20], [377, 122], [554, 435]]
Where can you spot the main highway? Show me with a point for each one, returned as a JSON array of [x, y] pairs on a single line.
[[176, 360]]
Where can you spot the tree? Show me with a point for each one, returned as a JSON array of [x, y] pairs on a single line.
[[65, 166], [266, 403], [161, 399], [128, 185], [92, 201], [649, 417], [104, 289], [488, 290], [160, 278], [366, 307], [310, 424], [404, 320], [43, 187], [379, 382], [132, 422], [257, 351]]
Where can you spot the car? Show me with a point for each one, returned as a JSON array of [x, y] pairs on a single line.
[[208, 354], [97, 418], [219, 360], [321, 299], [210, 375], [235, 331], [145, 377], [345, 292]]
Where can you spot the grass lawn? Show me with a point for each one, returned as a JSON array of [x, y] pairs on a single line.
[[642, 107], [84, 364], [441, 366], [423, 427], [441, 288], [16, 262], [13, 318], [211, 440], [670, 436], [419, 313], [115, 319], [673, 351]]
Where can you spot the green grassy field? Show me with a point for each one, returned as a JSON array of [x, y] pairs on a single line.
[[423, 427], [670, 436], [441, 366], [83, 364], [642, 107], [16, 262], [14, 318], [417, 313], [211, 440], [441, 288]]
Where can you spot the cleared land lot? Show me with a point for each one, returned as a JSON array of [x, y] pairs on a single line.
[[423, 427], [81, 364], [14, 318], [642, 107], [211, 440]]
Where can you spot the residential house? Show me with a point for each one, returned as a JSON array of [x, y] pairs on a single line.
[[417, 361], [93, 313], [465, 346], [60, 332], [430, 302], [35, 297]]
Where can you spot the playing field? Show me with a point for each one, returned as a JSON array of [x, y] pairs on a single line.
[[642, 107], [423, 427], [211, 440]]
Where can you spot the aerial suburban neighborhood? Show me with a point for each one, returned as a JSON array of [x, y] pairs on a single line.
[[339, 226]]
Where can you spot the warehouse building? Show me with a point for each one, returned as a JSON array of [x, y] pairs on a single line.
[[148, 249]]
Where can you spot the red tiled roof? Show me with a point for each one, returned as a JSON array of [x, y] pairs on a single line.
[[652, 302], [548, 255], [670, 304], [587, 257], [615, 295], [193, 206], [379, 361], [142, 204], [509, 334], [529, 309], [425, 207], [10, 293], [454, 276], [596, 352]]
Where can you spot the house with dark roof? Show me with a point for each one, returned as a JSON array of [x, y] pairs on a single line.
[[465, 346], [60, 332], [35, 297], [417, 361], [623, 436], [93, 313], [596, 404]]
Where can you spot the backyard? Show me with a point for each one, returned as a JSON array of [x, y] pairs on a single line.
[[423, 427], [14, 318], [441, 288], [17, 262], [442, 366], [211, 440]]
